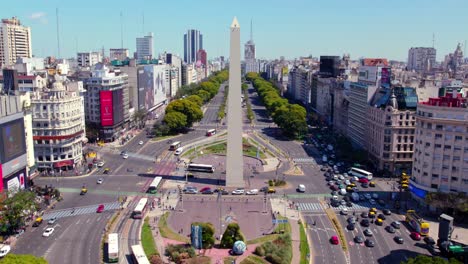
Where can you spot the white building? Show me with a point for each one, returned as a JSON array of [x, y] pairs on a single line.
[[298, 86], [421, 59], [15, 41], [189, 74], [88, 59], [29, 66], [144, 47], [119, 54], [58, 126]]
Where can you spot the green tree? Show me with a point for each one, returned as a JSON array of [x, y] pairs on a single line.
[[208, 231], [423, 259], [22, 259], [196, 99], [161, 129], [175, 121], [140, 117], [204, 95], [16, 207], [231, 235], [188, 108], [210, 87]]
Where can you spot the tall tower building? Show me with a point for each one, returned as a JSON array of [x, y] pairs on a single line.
[[421, 59], [249, 54], [144, 47], [234, 158], [15, 41], [193, 42]]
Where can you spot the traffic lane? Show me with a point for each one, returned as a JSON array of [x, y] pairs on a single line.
[[80, 241], [156, 148], [322, 250], [73, 200], [32, 241]]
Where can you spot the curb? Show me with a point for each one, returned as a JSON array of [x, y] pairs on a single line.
[[309, 240], [68, 177]]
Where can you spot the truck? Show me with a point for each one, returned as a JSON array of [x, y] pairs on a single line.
[[417, 223]]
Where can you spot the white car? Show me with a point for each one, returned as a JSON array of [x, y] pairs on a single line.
[[252, 192], [52, 221], [99, 181], [347, 182], [368, 196], [4, 250], [238, 191], [48, 232], [375, 196], [140, 143], [344, 211], [342, 177], [100, 164], [125, 156]]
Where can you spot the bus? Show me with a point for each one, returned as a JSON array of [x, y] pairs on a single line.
[[113, 247], [153, 188], [200, 167], [139, 256], [140, 208], [360, 173], [211, 132], [417, 223], [174, 145]]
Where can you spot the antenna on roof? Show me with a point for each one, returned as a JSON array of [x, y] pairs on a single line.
[[121, 29], [433, 40], [143, 17], [58, 33], [251, 30]]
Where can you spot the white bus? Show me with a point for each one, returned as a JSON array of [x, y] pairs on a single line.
[[153, 188], [140, 209], [174, 145], [113, 247], [360, 173], [139, 256], [200, 167], [211, 132]]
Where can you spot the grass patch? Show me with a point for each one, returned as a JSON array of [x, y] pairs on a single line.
[[248, 149], [198, 260], [252, 259], [147, 240], [163, 138], [304, 245], [188, 152], [271, 237], [228, 260], [167, 232]]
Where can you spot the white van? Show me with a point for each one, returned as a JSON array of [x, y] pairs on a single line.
[[343, 191], [179, 151], [301, 188]]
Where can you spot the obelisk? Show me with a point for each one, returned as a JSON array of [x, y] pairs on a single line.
[[234, 159]]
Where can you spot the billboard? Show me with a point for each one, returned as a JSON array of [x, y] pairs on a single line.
[[13, 140], [15, 182], [385, 76], [107, 117], [117, 106], [151, 86]]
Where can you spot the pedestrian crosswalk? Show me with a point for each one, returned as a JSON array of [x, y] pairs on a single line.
[[304, 160], [318, 207], [80, 210], [141, 157]]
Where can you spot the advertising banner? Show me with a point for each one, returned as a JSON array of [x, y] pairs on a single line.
[[12, 140], [107, 117], [151, 86], [117, 106], [385, 77]]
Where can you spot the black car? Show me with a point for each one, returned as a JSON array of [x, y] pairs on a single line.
[[351, 220], [350, 227], [349, 204], [365, 185], [365, 222], [390, 229], [346, 198], [264, 189], [381, 216], [359, 239], [364, 215], [429, 240], [369, 243], [398, 239], [223, 192], [207, 191], [386, 212]]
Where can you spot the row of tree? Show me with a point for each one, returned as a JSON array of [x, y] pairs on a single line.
[[183, 112], [290, 117], [250, 114]]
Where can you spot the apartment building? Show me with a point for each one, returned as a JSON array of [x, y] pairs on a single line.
[[15, 41], [88, 59], [441, 149]]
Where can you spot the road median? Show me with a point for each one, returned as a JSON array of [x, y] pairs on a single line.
[[339, 229]]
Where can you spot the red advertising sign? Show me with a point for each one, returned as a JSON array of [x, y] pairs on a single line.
[[1, 178], [107, 118]]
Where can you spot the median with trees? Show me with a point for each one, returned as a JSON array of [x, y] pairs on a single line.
[[290, 117], [186, 110]]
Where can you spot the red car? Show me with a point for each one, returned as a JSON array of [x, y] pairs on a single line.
[[415, 236], [363, 180], [334, 240], [100, 208], [204, 189]]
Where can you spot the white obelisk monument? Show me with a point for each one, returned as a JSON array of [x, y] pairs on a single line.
[[234, 159]]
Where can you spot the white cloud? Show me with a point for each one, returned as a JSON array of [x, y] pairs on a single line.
[[39, 16]]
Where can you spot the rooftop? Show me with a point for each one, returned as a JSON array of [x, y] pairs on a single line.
[[374, 62], [449, 100]]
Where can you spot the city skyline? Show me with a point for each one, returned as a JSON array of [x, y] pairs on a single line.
[[362, 29]]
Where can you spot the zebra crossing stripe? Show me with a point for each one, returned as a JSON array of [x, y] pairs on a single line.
[[80, 211]]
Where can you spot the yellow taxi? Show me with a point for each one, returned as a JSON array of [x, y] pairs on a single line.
[[352, 185], [379, 222], [271, 190], [372, 184], [371, 214], [38, 222], [373, 209]]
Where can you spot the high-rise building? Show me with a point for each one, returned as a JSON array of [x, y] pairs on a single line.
[[249, 54], [201, 56], [441, 149], [144, 47], [88, 59], [106, 102], [421, 59], [118, 54], [58, 126], [193, 42], [15, 41]]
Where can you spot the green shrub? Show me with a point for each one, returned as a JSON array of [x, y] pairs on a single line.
[[259, 250], [231, 235]]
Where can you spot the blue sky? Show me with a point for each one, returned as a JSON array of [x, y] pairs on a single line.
[[291, 28]]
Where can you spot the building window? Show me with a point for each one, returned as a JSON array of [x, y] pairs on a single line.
[[437, 136], [455, 158], [434, 186], [435, 175], [437, 145], [458, 138], [428, 144], [439, 127], [429, 126], [425, 174], [454, 178], [447, 147]]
